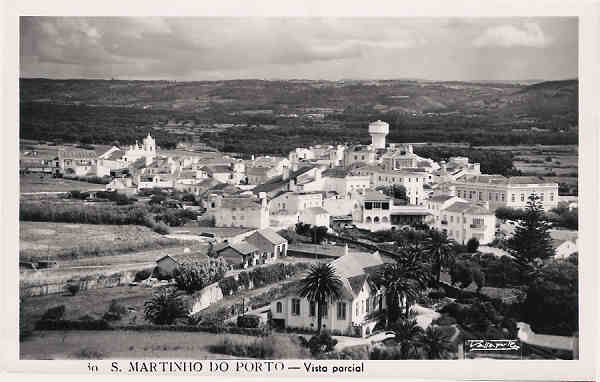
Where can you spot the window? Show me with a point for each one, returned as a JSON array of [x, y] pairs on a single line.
[[542, 196], [512, 197], [313, 308], [502, 196], [479, 195], [356, 309], [367, 305], [451, 218], [552, 196], [341, 311], [279, 307], [324, 310], [295, 307], [522, 197]]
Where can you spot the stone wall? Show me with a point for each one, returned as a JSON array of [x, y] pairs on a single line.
[[45, 287]]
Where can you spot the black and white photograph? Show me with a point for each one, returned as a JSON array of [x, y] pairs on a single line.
[[299, 188]]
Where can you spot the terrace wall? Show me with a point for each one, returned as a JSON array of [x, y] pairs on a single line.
[[32, 288]]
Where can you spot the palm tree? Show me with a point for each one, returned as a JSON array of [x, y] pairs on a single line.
[[320, 285], [407, 333], [436, 343], [164, 307], [407, 278], [440, 250]]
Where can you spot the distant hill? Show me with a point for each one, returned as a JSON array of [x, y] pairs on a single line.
[[483, 112], [394, 95]]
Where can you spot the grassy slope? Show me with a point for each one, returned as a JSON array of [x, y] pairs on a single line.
[[124, 345]]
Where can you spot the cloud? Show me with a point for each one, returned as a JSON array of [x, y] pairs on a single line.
[[205, 47], [528, 35]]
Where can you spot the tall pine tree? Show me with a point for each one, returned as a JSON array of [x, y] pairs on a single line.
[[532, 239]]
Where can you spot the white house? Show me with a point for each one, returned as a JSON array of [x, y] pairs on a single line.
[[358, 310], [463, 220], [247, 212], [291, 203], [564, 249]]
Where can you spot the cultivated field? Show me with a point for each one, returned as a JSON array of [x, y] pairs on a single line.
[[42, 240], [46, 183]]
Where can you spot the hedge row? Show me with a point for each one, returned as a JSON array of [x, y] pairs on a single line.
[[104, 325], [260, 277], [72, 325], [216, 329]]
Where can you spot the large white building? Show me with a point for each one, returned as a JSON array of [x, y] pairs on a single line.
[[358, 310], [502, 191]]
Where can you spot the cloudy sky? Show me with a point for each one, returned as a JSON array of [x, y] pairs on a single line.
[[227, 48]]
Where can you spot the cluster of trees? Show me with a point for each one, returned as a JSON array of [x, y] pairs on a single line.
[[91, 124], [260, 276], [317, 234], [560, 216], [396, 191], [491, 161], [192, 277]]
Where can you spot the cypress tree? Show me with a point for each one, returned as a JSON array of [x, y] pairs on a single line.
[[531, 239]]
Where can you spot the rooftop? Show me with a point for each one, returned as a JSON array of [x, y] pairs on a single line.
[[271, 236]]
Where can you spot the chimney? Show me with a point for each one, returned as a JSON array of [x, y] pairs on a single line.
[[444, 170], [295, 166], [317, 173], [346, 249], [292, 185]]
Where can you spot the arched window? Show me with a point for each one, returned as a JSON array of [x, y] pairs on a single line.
[[368, 220], [384, 219], [278, 307], [376, 220]]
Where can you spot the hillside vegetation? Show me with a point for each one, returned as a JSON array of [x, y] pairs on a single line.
[[104, 111]]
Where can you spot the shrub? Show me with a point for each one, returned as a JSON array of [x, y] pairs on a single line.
[[45, 324], [248, 321], [388, 352], [56, 313], [273, 347], [142, 275], [86, 353], [472, 245], [444, 320], [349, 353], [321, 343], [436, 294], [73, 288], [161, 228], [115, 311]]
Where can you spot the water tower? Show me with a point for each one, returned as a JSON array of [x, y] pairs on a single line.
[[378, 131]]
